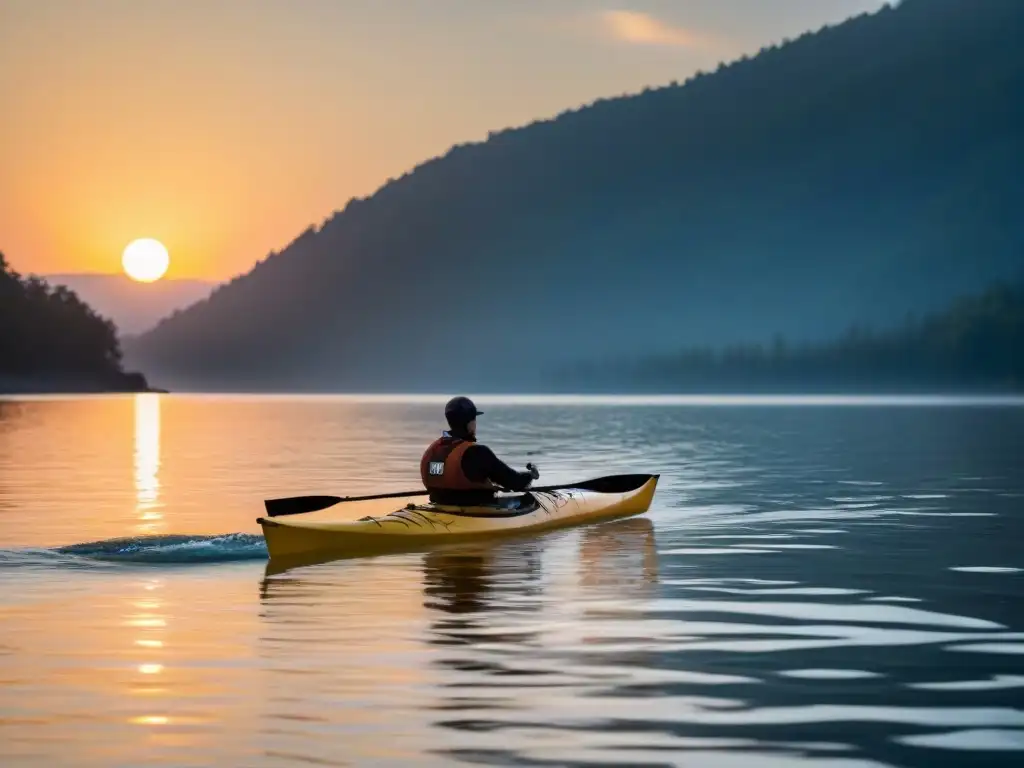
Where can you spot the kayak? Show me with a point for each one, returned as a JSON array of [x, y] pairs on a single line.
[[372, 527]]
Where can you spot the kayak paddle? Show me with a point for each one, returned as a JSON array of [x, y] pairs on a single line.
[[297, 505]]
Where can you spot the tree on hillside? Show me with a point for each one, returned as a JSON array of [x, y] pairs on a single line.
[[50, 331]]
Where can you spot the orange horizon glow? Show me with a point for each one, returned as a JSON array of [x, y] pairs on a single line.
[[226, 130]]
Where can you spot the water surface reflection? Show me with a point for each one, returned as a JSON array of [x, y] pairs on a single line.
[[812, 586], [147, 463]]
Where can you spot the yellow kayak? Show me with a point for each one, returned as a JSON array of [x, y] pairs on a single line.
[[378, 526]]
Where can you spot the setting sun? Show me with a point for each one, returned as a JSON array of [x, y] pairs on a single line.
[[145, 260]]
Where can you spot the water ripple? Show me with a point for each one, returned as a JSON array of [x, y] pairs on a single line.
[[171, 549]]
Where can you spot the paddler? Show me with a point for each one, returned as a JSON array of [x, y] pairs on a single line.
[[458, 470]]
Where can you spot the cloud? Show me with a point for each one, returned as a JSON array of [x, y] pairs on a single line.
[[643, 29]]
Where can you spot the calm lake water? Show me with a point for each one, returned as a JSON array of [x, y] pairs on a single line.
[[815, 585]]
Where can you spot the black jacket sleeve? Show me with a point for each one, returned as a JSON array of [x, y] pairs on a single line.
[[480, 463]]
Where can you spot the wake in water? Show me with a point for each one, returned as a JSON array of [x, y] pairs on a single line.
[[169, 549]]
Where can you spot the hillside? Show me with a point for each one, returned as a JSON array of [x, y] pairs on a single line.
[[51, 341], [855, 174], [132, 306]]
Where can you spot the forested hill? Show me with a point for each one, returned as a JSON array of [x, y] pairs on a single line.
[[51, 341], [855, 174]]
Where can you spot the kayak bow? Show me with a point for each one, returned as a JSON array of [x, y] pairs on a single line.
[[365, 528]]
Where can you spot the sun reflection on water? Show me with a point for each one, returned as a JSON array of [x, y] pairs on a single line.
[[149, 720], [147, 461], [151, 620]]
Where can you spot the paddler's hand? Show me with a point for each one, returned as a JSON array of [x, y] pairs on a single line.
[[532, 469]]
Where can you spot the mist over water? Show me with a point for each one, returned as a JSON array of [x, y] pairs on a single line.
[[820, 582]]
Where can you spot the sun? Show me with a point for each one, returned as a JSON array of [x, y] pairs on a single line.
[[145, 260]]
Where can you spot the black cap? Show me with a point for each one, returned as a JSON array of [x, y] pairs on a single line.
[[460, 411]]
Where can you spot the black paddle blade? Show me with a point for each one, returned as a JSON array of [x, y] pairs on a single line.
[[296, 505]]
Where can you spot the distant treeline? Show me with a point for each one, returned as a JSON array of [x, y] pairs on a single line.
[[977, 344], [50, 339]]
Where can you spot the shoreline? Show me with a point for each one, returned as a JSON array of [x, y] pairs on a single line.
[[126, 383]]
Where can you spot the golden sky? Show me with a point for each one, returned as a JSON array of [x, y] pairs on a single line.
[[225, 127]]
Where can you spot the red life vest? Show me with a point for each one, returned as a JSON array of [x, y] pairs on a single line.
[[441, 467]]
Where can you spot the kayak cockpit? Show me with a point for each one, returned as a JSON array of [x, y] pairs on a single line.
[[527, 503], [503, 506]]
